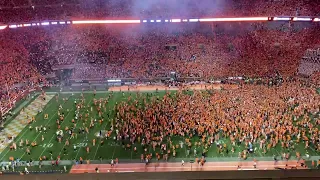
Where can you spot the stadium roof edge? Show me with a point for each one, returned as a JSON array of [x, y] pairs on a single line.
[[157, 20]]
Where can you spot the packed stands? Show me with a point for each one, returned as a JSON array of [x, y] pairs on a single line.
[[190, 51], [17, 72], [204, 51]]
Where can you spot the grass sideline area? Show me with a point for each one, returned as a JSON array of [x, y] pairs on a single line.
[[110, 149]]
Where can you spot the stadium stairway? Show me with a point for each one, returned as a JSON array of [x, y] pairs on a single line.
[[20, 121]]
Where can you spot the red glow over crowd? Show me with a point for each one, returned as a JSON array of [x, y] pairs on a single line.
[[205, 51]]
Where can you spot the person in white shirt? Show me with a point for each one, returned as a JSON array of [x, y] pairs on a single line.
[[26, 170]]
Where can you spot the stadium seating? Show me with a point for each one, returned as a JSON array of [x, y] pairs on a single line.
[[154, 9], [206, 51]]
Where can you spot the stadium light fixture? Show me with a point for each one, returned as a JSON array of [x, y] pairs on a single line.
[[34, 24], [184, 20], [144, 21], [45, 23], [62, 22], [301, 19], [54, 22], [158, 20], [234, 19], [3, 27], [166, 20], [26, 25], [107, 22], [193, 20], [13, 26], [151, 20], [316, 20], [281, 19], [175, 20]]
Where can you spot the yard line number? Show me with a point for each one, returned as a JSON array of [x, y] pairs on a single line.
[[82, 144], [50, 145]]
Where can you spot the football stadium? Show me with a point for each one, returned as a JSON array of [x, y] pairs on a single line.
[[165, 89]]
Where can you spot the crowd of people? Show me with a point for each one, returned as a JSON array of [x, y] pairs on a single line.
[[255, 117], [41, 10], [190, 50], [147, 52], [17, 74], [135, 51]]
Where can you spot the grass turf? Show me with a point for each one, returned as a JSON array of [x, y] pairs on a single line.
[[110, 149]]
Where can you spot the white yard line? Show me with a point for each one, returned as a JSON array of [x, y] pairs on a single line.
[[261, 154], [8, 150], [313, 150], [79, 149], [54, 135], [95, 154], [279, 154], [45, 125], [25, 130], [86, 134], [65, 143], [114, 150]]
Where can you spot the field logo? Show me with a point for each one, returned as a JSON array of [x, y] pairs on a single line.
[[79, 145], [113, 144]]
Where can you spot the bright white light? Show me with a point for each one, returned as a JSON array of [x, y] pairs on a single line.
[[234, 19], [107, 22], [26, 25], [144, 21], [316, 19], [166, 20], [62, 22], [54, 22], [185, 20], [3, 27], [151, 20], [38, 24], [68, 22], [193, 20], [13, 26], [45, 23], [34, 24], [281, 19], [301, 19], [175, 20], [158, 20]]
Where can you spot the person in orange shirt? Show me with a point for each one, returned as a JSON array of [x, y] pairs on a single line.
[[313, 164]]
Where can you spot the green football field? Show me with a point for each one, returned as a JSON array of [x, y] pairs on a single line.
[[110, 148]]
